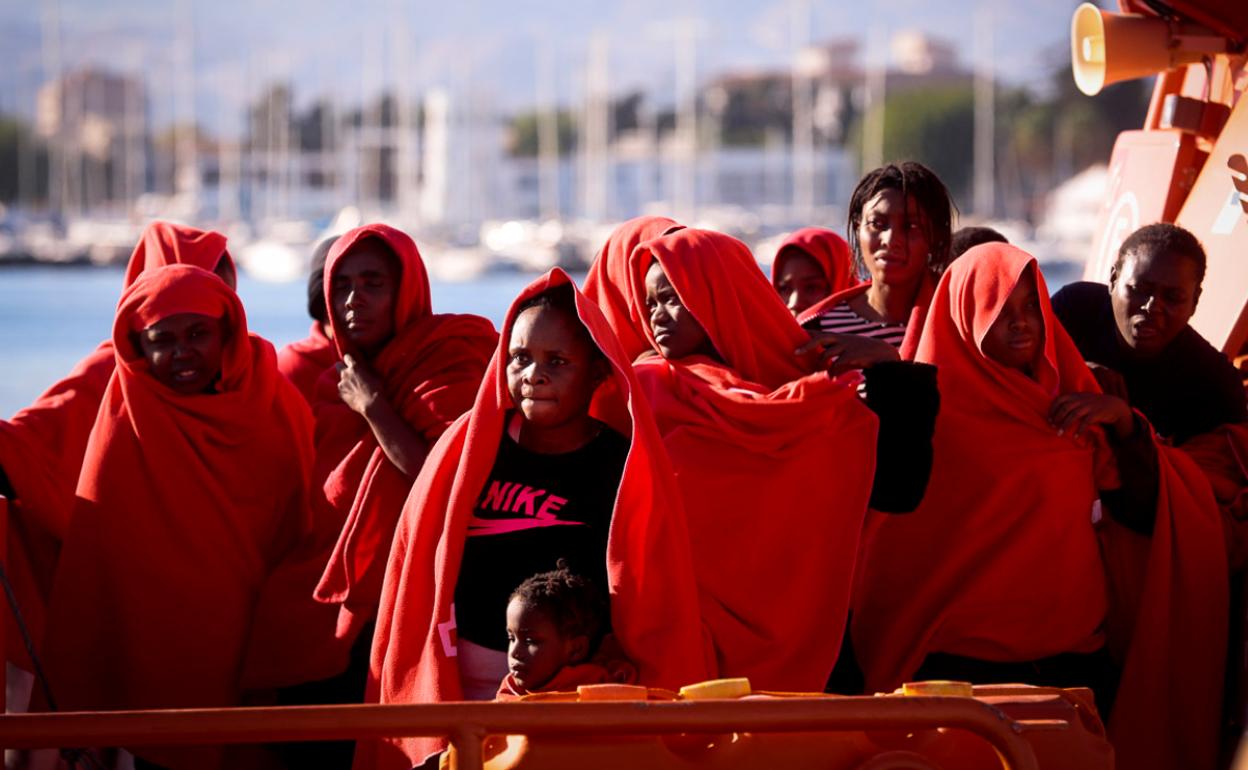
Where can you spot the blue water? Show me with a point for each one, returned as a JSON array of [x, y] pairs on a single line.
[[51, 317]]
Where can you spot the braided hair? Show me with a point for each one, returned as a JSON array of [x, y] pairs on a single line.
[[575, 604], [913, 180]]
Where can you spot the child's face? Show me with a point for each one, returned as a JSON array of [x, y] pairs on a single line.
[[1016, 338], [363, 292], [536, 649], [801, 283], [184, 351], [676, 331], [892, 235], [552, 369], [1153, 296]]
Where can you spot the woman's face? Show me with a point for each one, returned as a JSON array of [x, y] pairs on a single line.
[[676, 332], [364, 288], [552, 369], [892, 235], [184, 351], [1016, 337], [800, 281], [1153, 296]]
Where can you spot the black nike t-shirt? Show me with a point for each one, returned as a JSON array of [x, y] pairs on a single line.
[[534, 510]]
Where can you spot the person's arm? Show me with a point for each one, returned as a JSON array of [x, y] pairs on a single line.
[[1134, 503], [360, 389], [905, 398], [839, 353]]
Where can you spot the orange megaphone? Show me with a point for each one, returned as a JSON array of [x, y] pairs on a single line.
[[1108, 47]]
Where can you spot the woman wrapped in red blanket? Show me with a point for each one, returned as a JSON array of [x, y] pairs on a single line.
[[811, 264], [999, 575], [42, 446], [540, 469], [900, 226], [193, 485], [607, 283], [748, 422], [405, 373]]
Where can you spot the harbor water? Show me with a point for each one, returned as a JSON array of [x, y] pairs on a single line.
[[50, 317]]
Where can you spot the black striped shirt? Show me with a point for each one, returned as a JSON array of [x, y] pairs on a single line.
[[841, 319]]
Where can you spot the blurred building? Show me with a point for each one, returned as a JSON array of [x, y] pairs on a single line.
[[96, 127]]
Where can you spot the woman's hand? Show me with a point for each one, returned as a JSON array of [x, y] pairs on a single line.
[[358, 386], [1076, 412], [360, 389], [840, 353]]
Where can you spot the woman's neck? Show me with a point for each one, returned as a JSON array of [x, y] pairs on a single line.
[[891, 303], [556, 439]]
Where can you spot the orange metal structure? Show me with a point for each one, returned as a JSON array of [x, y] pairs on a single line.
[[1187, 164], [1061, 727], [997, 728]]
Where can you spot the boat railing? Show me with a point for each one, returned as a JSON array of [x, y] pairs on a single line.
[[467, 724]]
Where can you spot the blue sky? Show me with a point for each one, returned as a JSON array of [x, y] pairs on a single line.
[[352, 48]]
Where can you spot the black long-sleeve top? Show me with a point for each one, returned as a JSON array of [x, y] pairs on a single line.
[[905, 398]]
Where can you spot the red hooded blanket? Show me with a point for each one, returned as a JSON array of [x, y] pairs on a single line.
[[774, 464], [827, 249], [303, 362], [607, 283], [654, 605], [1000, 561], [1222, 454], [42, 446], [431, 369], [183, 504]]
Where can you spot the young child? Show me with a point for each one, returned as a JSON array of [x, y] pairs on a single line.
[[193, 485], [555, 626], [810, 265], [999, 574], [900, 225], [559, 458]]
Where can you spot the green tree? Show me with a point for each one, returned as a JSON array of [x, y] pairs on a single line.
[[935, 127], [23, 160], [523, 141]]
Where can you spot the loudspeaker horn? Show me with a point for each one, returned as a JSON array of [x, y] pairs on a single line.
[[1109, 47]]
